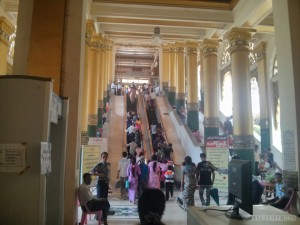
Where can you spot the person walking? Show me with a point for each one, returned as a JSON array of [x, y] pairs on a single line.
[[133, 172], [205, 177], [169, 181], [154, 173], [188, 183], [143, 178], [122, 173]]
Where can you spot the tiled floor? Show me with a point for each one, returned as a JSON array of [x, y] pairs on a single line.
[[173, 215]]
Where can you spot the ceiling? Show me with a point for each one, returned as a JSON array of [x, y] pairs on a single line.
[[130, 25]]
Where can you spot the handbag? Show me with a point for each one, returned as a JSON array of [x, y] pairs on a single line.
[[127, 184]]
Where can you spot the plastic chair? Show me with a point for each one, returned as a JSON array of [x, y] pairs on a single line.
[[86, 211], [292, 196]]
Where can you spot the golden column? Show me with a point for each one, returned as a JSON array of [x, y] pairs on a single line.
[[180, 75], [164, 78], [90, 30], [109, 68], [6, 29], [172, 75], [201, 81], [105, 68], [100, 86], [192, 86], [243, 140], [93, 67], [260, 51], [103, 71], [210, 74]]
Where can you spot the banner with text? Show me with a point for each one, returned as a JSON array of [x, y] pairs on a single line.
[[218, 154], [89, 159]]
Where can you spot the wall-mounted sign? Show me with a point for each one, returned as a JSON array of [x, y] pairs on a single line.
[[12, 157], [45, 157]]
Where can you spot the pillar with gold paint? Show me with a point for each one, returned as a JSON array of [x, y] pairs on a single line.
[[6, 29], [100, 86], [192, 86], [210, 73], [90, 30], [166, 68], [260, 51], [109, 69], [103, 71], [93, 67], [172, 75], [243, 140], [180, 75]]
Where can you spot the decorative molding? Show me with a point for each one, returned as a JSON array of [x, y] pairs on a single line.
[[90, 29], [239, 34], [243, 142], [192, 47], [172, 89], [6, 29], [193, 107], [180, 96], [92, 119], [100, 103], [211, 122], [210, 46]]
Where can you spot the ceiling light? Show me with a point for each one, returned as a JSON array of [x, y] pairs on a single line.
[[156, 38]]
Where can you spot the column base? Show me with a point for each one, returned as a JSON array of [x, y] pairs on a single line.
[[92, 130], [179, 103], [243, 147], [100, 116], [211, 131], [172, 98], [193, 120]]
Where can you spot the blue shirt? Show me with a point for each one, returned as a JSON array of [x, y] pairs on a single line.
[[281, 190]]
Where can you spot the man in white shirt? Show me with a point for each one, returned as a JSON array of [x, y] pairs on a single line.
[[113, 88], [86, 198], [122, 173]]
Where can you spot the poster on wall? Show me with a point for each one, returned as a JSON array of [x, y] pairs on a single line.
[[217, 153], [90, 157], [12, 157], [102, 142], [45, 158]]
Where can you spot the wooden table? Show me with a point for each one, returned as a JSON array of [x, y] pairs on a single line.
[[262, 215]]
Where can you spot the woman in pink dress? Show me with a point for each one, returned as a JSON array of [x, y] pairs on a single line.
[[133, 172], [154, 173]]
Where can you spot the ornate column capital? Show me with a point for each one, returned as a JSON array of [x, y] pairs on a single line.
[[166, 48], [260, 51], [210, 46], [90, 29], [239, 37], [192, 47], [6, 29], [180, 46]]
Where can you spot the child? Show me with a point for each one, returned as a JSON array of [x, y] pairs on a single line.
[[169, 181]]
